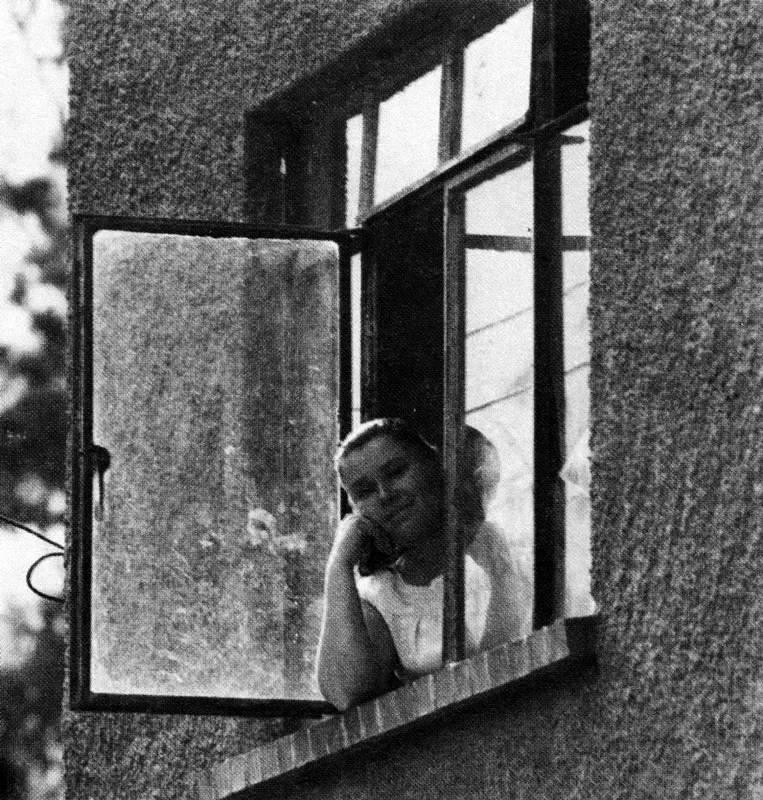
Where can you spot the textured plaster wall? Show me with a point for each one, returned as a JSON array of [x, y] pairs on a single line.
[[158, 94], [677, 305], [159, 90]]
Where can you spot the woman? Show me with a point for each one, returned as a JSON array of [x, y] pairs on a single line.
[[382, 621]]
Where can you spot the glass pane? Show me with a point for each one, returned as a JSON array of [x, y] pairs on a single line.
[[409, 124], [354, 135], [497, 465], [499, 289], [576, 470], [575, 473], [499, 357], [497, 78], [214, 365], [503, 206], [575, 181]]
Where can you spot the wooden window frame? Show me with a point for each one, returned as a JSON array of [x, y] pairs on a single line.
[[539, 131], [84, 459]]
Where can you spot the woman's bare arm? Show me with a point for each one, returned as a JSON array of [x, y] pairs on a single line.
[[509, 614], [356, 655]]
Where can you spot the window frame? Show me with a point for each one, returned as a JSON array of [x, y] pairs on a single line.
[[280, 132], [83, 455], [539, 131], [543, 148], [509, 145]]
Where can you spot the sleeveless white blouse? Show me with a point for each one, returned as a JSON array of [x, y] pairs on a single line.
[[414, 614]]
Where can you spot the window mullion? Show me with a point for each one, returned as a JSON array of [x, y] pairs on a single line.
[[451, 100], [368, 153], [542, 81], [345, 342], [454, 631], [369, 321], [549, 412]]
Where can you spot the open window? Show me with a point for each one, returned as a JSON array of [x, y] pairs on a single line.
[[474, 289], [208, 406], [220, 364]]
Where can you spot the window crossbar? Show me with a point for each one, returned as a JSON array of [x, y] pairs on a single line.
[[521, 244]]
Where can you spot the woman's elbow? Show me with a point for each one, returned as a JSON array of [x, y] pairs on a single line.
[[344, 691], [339, 696], [341, 701], [331, 684]]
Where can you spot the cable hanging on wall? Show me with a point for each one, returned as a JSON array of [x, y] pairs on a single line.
[[34, 566]]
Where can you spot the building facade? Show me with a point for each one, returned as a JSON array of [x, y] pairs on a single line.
[[190, 112]]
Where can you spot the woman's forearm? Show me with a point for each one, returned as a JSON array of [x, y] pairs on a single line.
[[506, 611], [349, 666]]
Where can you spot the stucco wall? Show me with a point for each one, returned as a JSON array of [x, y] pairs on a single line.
[[159, 91], [158, 95], [677, 304]]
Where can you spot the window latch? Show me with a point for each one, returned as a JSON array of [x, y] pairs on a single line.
[[101, 462]]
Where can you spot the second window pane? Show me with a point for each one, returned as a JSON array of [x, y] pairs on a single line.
[[497, 78], [498, 459], [408, 135]]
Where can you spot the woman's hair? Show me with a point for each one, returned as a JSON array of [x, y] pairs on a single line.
[[479, 474], [397, 429]]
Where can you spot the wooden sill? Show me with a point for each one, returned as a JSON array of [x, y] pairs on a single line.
[[566, 642]]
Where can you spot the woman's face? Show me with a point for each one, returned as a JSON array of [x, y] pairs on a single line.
[[391, 483]]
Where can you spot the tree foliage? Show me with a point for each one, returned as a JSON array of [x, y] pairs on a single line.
[[33, 422], [32, 473], [33, 429]]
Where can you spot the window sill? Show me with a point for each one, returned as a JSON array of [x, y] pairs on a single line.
[[544, 651]]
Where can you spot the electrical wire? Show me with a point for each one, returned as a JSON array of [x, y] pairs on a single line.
[[30, 571], [26, 528]]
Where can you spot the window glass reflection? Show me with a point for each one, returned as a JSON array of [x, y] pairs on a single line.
[[575, 181], [497, 78], [498, 459], [503, 206], [408, 135], [214, 393]]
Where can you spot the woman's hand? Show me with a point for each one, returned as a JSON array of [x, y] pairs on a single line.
[[351, 540], [356, 655]]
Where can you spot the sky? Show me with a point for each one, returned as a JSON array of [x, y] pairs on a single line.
[[33, 106]]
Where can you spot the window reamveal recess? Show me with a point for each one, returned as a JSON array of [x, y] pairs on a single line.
[[461, 306]]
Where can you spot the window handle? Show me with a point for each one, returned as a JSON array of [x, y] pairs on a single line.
[[101, 463]]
